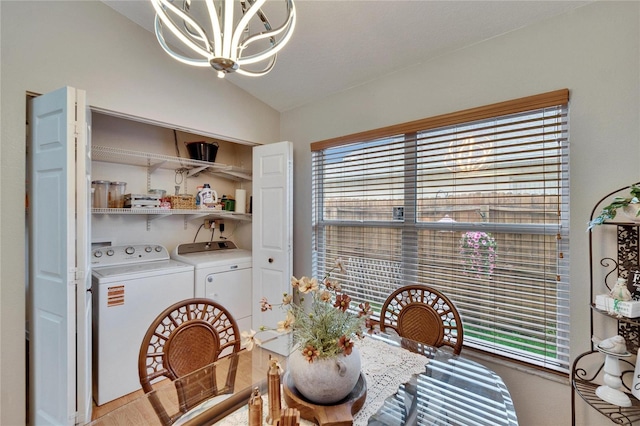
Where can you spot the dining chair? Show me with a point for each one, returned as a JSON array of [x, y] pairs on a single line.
[[423, 314], [188, 336]]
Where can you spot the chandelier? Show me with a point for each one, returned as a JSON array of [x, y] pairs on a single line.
[[230, 36], [468, 155]]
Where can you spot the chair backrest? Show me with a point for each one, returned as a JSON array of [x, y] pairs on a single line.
[[423, 314], [185, 337]]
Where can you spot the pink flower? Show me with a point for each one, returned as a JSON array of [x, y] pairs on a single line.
[[340, 266], [342, 302], [365, 310], [310, 353], [325, 296], [286, 325], [308, 285], [248, 339], [346, 344], [287, 299], [265, 305]]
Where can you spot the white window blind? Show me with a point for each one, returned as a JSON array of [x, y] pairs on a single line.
[[474, 204]]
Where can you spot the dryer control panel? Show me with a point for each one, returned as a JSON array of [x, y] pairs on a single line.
[[205, 247], [131, 253]]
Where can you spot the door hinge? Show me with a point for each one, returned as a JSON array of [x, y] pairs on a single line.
[[75, 276]]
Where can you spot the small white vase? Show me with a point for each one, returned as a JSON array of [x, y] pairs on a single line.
[[635, 387], [325, 381], [631, 212]]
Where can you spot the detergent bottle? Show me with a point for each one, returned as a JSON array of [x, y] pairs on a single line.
[[208, 197], [198, 198]]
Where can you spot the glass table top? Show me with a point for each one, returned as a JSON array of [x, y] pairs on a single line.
[[446, 390]]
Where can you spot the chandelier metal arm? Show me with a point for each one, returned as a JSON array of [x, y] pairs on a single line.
[[174, 55], [264, 71], [215, 24], [242, 24], [227, 30], [182, 35], [276, 46]]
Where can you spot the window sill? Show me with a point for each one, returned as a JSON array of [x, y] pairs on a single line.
[[484, 358]]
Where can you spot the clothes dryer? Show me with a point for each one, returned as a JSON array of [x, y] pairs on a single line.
[[222, 273]]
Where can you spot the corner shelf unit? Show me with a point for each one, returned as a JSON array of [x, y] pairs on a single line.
[[584, 384], [587, 369]]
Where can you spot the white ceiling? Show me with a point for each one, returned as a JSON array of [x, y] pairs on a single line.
[[339, 44]]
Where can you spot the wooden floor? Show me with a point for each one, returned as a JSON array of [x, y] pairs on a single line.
[[101, 410], [252, 366]]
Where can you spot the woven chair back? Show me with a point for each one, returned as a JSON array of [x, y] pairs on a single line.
[[423, 314], [186, 337]]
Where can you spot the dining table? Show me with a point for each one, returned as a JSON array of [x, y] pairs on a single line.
[[404, 383]]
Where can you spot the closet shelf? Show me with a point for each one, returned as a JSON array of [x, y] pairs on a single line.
[[191, 214], [158, 161]]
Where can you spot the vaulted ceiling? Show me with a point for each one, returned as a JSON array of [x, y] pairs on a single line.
[[341, 44]]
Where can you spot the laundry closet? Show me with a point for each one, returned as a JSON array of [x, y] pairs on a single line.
[[100, 275], [150, 202]]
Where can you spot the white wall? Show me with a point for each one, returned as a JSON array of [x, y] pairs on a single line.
[[46, 45], [593, 51]]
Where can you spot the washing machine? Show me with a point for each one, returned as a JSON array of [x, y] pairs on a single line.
[[222, 273], [131, 286]]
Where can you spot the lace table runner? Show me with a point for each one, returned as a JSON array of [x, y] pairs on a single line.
[[385, 368]]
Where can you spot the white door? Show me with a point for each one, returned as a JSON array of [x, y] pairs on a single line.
[[84, 296], [272, 228], [59, 230]]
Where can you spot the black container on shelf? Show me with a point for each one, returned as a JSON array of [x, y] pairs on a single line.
[[202, 151]]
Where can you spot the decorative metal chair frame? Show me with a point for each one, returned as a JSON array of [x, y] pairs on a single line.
[[423, 314], [186, 337]]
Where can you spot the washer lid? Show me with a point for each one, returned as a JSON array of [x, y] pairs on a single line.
[[214, 258], [140, 270]]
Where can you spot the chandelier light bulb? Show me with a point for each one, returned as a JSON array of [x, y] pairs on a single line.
[[227, 35]]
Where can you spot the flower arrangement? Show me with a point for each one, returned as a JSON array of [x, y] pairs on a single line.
[[478, 251], [327, 327], [609, 212]]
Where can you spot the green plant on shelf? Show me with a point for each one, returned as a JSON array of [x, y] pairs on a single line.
[[609, 212]]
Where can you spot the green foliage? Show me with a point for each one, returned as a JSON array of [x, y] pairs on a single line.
[[609, 212], [323, 326]]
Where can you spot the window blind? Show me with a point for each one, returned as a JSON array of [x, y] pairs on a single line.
[[474, 204]]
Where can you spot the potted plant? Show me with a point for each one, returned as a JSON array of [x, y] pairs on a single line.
[[630, 207], [478, 252], [325, 365]]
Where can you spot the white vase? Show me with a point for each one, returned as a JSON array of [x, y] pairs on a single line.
[[325, 381], [635, 387], [631, 212]]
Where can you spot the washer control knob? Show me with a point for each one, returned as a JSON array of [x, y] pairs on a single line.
[[158, 249], [97, 254], [110, 252], [148, 249], [130, 250]]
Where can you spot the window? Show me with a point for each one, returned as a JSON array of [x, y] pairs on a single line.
[[474, 203]]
